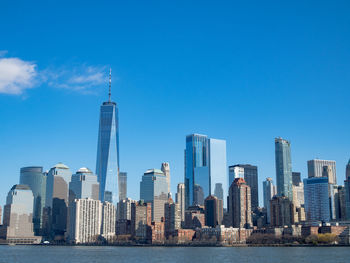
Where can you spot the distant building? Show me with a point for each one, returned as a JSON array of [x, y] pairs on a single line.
[[296, 178], [194, 217], [34, 177], [18, 216], [205, 167], [240, 204], [172, 217], [123, 185], [298, 202], [85, 221], [156, 233], [213, 211], [339, 202], [124, 209], [107, 160], [180, 199], [235, 171], [141, 218], [269, 191], [166, 171], [154, 190], [83, 185], [320, 168], [347, 191], [0, 215], [282, 211], [317, 199], [57, 185], [108, 230], [250, 175]]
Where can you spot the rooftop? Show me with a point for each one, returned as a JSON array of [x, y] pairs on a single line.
[[61, 166], [20, 187]]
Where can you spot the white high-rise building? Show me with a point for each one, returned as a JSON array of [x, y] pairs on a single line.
[[166, 170], [108, 220], [180, 199]]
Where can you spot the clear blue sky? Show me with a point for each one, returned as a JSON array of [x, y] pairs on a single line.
[[244, 71]]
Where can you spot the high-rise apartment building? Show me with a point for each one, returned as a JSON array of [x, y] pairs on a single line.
[[318, 206], [213, 211], [250, 175], [109, 216], [283, 168], [322, 168], [85, 221], [34, 177], [154, 190], [18, 216], [124, 209], [282, 211], [165, 168], [83, 185], [172, 217], [107, 163], [57, 188], [180, 199], [240, 204], [205, 168], [269, 190], [141, 219], [123, 185]]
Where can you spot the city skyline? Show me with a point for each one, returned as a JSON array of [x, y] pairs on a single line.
[[214, 72]]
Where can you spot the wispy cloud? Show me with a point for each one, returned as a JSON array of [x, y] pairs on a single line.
[[3, 53], [16, 75]]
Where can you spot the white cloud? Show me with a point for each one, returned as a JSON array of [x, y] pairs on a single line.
[[16, 75]]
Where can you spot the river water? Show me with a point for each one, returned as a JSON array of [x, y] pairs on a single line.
[[55, 254]]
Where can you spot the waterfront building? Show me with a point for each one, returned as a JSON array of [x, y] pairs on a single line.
[[156, 233], [18, 216], [85, 221], [154, 190], [124, 209], [240, 204], [282, 211], [322, 168], [205, 168], [107, 163], [34, 177], [339, 202], [250, 175], [83, 185], [283, 168], [180, 199], [165, 168], [318, 206], [223, 235], [141, 219], [296, 178], [213, 211], [194, 217], [57, 188], [123, 185], [269, 190], [235, 171], [172, 217], [109, 216]]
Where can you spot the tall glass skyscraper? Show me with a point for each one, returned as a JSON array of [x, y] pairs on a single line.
[[34, 177], [107, 163], [205, 168], [283, 168]]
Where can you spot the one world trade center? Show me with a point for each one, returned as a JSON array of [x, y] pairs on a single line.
[[107, 163]]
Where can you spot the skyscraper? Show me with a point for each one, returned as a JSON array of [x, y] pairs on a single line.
[[235, 171], [141, 219], [213, 211], [282, 211], [57, 188], [166, 170], [84, 184], [34, 177], [283, 168], [250, 175], [172, 217], [318, 206], [240, 204], [18, 216], [296, 178], [205, 168], [320, 168], [107, 163], [122, 185], [269, 191], [347, 191], [180, 199], [154, 190]]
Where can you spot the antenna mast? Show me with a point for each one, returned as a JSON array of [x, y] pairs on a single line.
[[110, 84]]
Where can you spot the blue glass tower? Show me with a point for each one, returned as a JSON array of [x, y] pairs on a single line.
[[107, 163]]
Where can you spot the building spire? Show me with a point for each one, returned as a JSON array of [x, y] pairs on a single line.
[[110, 84]]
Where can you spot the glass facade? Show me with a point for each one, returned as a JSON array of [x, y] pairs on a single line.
[[107, 163], [122, 185], [205, 168], [235, 171], [36, 180], [283, 168], [84, 184]]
